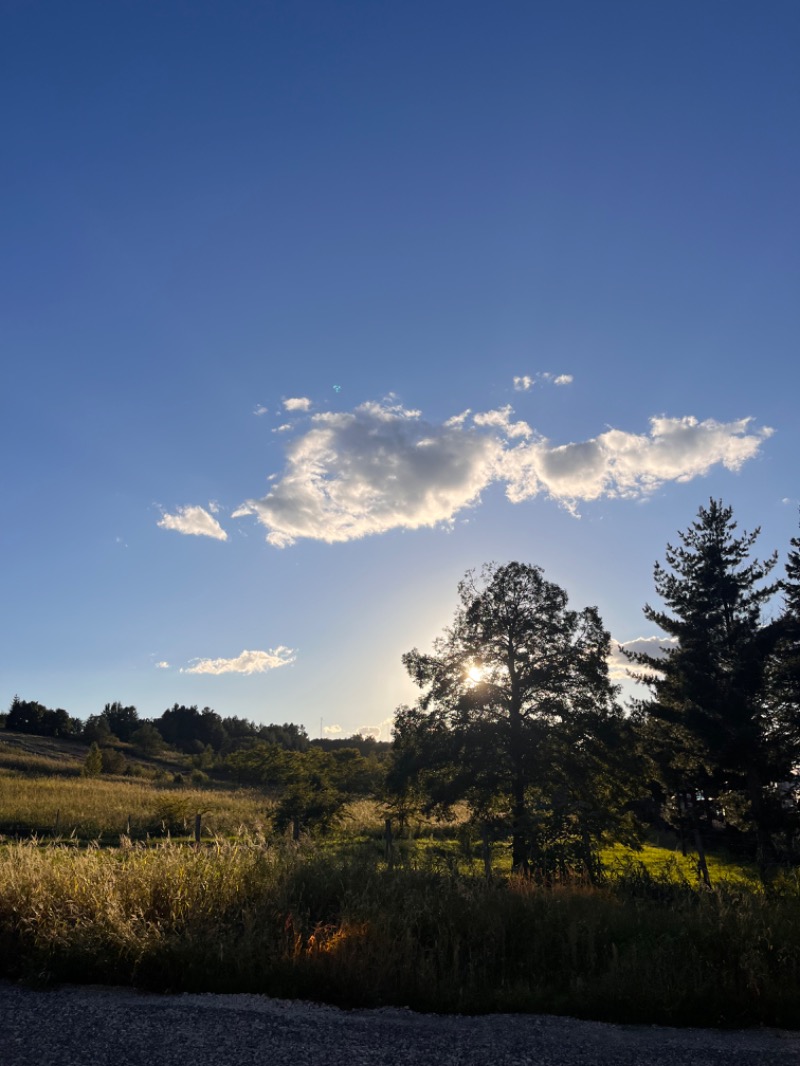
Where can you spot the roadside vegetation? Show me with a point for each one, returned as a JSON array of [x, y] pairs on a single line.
[[524, 844], [300, 922]]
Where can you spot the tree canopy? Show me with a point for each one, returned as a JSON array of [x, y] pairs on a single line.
[[518, 716]]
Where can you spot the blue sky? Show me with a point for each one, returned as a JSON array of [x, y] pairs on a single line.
[[258, 260]]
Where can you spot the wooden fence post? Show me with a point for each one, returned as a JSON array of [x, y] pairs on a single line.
[[486, 852]]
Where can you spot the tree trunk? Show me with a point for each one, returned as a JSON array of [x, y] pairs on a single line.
[[519, 837], [590, 862], [702, 867], [486, 852], [765, 852], [682, 823]]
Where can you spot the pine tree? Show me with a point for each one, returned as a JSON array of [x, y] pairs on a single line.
[[783, 739], [93, 763], [708, 723]]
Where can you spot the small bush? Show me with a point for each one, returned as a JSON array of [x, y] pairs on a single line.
[[93, 763], [113, 761]]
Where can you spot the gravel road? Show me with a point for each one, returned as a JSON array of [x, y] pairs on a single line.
[[73, 1026]]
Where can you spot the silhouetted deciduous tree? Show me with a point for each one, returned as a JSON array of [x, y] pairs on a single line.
[[122, 721], [191, 730], [518, 716]]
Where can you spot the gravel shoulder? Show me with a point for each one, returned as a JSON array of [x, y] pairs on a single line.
[[94, 1026]]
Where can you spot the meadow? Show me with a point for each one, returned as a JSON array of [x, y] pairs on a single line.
[[330, 919]]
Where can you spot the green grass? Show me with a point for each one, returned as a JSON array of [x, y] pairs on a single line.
[[674, 866]]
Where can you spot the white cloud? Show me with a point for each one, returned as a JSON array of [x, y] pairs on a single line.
[[563, 379], [383, 467], [299, 403], [259, 410], [619, 665], [358, 473], [332, 730], [501, 418], [620, 464], [193, 520], [522, 384], [282, 429], [163, 665], [249, 662], [381, 731]]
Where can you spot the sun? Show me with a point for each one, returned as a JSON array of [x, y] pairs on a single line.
[[475, 673]]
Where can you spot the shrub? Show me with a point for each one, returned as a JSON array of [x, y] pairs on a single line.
[[113, 761], [93, 763]]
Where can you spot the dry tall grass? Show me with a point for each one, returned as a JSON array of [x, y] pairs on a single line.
[[244, 916], [105, 808]]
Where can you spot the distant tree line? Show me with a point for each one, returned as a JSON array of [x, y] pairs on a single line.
[[28, 716], [186, 729]]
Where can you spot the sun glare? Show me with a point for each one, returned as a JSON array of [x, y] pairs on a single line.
[[475, 673]]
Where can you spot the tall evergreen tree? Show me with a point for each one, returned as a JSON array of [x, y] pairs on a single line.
[[783, 738], [789, 668], [708, 724]]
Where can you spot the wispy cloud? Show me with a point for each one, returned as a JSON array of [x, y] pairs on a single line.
[[249, 662], [619, 665], [195, 521], [163, 665], [332, 730], [544, 377], [298, 403], [260, 410], [383, 467], [458, 420]]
